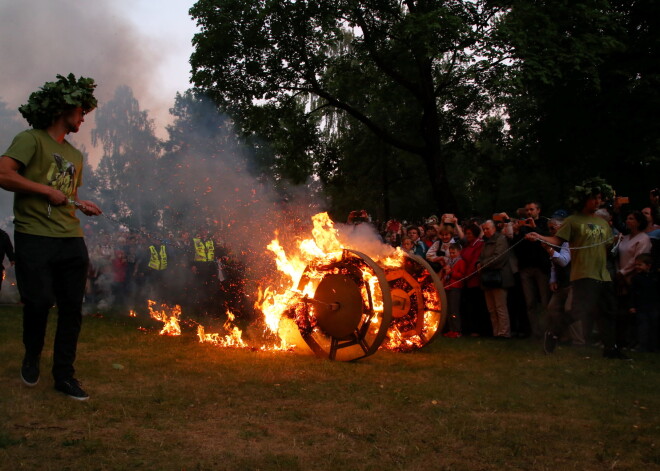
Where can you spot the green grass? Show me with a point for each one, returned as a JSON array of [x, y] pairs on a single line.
[[466, 404]]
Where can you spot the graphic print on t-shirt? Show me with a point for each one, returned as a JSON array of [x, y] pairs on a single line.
[[593, 232], [61, 175]]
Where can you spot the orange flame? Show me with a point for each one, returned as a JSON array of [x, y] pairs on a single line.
[[233, 339], [167, 315]]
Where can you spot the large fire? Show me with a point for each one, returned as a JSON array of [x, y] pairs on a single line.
[[336, 301]]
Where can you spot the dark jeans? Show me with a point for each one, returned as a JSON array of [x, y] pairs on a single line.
[[592, 300], [647, 330], [49, 271], [454, 306], [474, 313]]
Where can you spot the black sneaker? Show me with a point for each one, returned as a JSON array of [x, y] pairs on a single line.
[[30, 372], [549, 342], [71, 387], [615, 354]]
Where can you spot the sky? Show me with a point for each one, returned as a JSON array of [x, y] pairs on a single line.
[[145, 44]]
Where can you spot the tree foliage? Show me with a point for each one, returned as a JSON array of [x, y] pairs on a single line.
[[415, 74], [585, 95], [130, 152]]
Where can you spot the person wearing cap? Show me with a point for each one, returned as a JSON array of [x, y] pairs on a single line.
[[45, 171]]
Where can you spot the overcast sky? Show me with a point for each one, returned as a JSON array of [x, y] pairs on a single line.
[[145, 44]]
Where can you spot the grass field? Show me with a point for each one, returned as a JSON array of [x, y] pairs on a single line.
[[162, 403]]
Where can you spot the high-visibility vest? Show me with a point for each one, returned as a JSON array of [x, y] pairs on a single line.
[[204, 250], [158, 261]]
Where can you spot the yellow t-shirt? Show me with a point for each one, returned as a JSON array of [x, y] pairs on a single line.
[[51, 163], [594, 235]]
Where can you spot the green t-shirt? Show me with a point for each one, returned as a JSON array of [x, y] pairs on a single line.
[[593, 233], [51, 163]]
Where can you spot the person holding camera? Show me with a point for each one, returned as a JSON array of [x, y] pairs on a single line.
[[496, 277], [533, 267]]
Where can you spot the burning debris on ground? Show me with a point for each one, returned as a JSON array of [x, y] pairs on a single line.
[[334, 300]]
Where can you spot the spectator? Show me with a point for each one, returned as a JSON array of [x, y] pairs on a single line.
[[475, 319], [650, 224], [560, 287], [533, 266], [644, 303], [635, 243], [496, 278], [439, 251], [430, 235], [452, 275], [119, 270], [393, 233], [407, 246], [418, 246], [6, 248]]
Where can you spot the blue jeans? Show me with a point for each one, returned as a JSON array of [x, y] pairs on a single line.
[[51, 270]]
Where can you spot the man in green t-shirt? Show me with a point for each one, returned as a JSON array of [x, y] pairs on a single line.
[[589, 238], [45, 171]]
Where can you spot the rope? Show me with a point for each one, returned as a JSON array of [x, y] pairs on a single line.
[[481, 267]]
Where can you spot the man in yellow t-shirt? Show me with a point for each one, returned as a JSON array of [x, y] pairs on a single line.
[[589, 238], [45, 171]]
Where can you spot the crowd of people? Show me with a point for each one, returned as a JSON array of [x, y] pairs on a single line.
[[585, 277], [559, 271], [196, 272]]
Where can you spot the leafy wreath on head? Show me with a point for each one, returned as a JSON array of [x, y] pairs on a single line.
[[587, 189], [55, 98]]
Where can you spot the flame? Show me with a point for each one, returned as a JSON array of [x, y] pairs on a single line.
[[304, 268], [288, 305], [234, 338], [169, 316], [132, 313]]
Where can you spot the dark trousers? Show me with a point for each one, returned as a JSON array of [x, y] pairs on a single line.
[[474, 313], [647, 330], [50, 271], [454, 306], [592, 300]]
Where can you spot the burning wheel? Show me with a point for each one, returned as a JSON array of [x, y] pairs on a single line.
[[357, 305], [419, 305]]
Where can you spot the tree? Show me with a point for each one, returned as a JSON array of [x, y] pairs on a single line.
[[415, 74], [130, 157], [586, 92]]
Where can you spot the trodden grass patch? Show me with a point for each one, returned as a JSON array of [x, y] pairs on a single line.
[[458, 404]]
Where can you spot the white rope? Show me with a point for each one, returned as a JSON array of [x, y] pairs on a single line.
[[481, 267]]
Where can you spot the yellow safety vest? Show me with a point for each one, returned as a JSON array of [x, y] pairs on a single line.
[[158, 262], [204, 250]]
